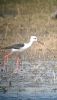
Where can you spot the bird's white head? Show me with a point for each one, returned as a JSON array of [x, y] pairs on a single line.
[[33, 38]]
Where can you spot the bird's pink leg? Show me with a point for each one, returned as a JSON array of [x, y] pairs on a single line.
[[6, 59], [17, 65]]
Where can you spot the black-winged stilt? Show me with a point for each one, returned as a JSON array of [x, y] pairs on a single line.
[[19, 47]]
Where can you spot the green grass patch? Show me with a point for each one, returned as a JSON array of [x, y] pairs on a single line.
[[3, 89]]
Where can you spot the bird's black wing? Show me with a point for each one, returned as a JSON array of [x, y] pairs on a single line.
[[15, 46]]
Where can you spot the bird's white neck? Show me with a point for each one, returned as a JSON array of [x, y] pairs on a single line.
[[28, 44]]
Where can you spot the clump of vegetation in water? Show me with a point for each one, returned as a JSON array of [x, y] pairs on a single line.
[[3, 89]]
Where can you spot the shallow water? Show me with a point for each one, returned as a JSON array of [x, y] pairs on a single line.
[[33, 81]]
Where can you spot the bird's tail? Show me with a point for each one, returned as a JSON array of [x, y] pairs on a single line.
[[2, 49]]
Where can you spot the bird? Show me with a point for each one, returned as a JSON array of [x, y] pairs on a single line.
[[18, 48], [21, 47]]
